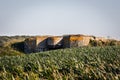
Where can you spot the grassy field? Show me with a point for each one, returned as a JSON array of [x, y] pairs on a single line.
[[64, 64]]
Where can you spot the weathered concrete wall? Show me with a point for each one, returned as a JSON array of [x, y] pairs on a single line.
[[30, 45], [55, 42], [76, 40], [41, 43], [86, 40], [72, 41], [66, 41]]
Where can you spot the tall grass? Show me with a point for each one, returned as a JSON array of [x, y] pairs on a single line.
[[64, 64]]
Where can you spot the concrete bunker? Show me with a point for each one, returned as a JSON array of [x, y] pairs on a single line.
[[44, 43]]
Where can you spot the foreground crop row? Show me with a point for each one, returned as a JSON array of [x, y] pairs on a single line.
[[74, 64]]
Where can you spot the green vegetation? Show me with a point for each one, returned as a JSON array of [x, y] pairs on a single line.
[[8, 40], [64, 64], [12, 46], [9, 51], [104, 43]]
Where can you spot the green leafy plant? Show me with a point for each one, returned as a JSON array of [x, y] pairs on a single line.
[[73, 63]]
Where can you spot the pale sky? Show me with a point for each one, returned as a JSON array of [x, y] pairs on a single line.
[[59, 17]]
